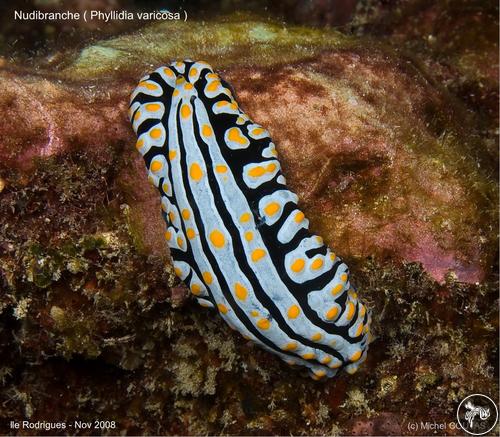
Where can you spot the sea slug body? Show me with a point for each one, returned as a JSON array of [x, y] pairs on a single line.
[[236, 235]]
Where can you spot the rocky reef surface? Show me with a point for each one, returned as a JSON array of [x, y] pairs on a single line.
[[394, 166]]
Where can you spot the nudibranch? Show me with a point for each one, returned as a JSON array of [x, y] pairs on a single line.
[[236, 236]]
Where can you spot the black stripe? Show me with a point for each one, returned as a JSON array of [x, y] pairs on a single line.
[[179, 255]]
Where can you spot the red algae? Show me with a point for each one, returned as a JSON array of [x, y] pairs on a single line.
[[359, 169]]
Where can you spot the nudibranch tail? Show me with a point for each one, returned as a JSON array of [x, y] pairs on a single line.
[[236, 235]]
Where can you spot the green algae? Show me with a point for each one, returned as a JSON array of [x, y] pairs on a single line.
[[134, 228], [237, 39]]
